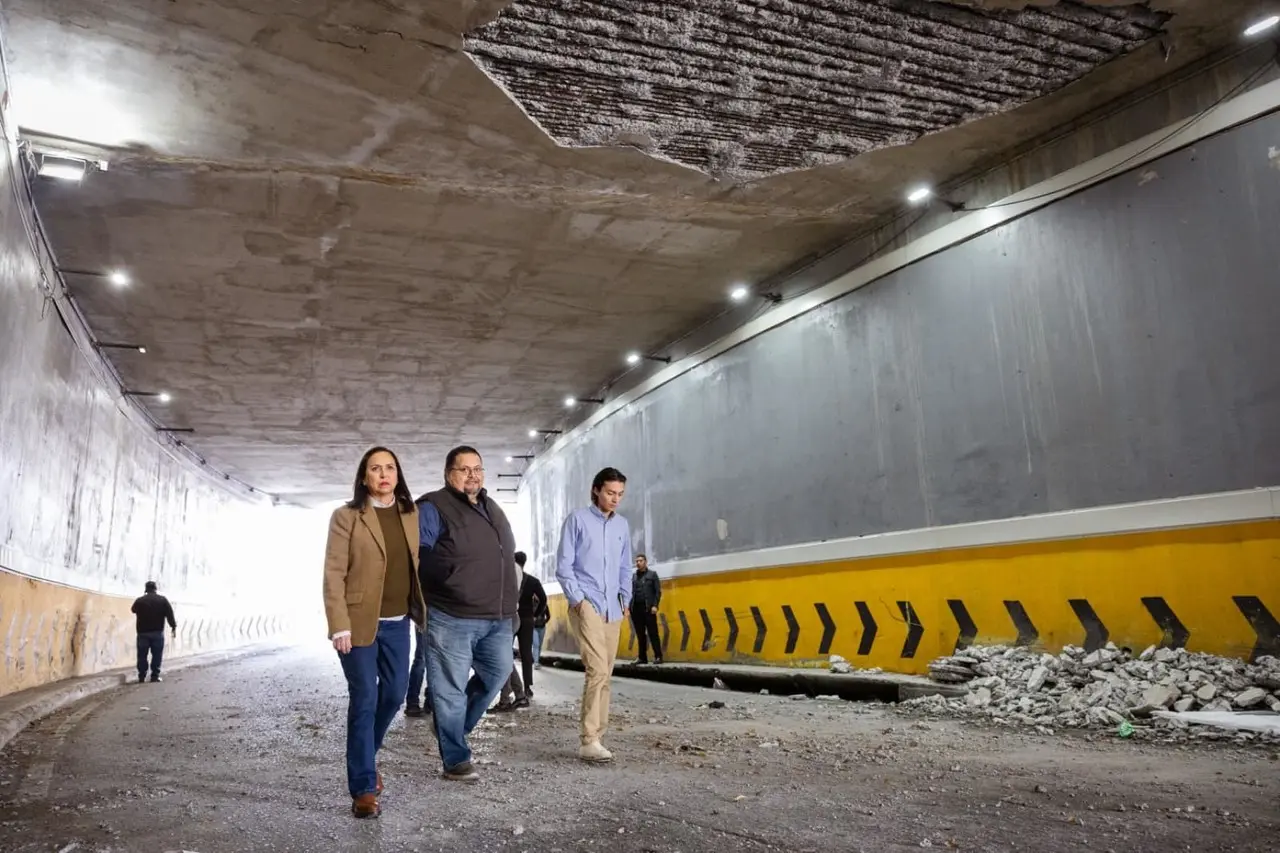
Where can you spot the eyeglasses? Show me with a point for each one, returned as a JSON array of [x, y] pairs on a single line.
[[469, 471]]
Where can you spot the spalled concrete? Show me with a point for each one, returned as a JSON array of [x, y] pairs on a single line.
[[342, 231]]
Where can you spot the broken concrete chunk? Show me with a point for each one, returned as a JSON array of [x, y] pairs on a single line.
[[1249, 698]]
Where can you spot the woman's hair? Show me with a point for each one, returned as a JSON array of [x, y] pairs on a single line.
[[360, 494]]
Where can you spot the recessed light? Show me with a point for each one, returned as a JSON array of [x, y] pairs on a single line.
[[142, 350], [119, 278], [739, 293], [165, 396], [570, 402], [919, 194], [633, 358], [511, 459], [533, 433], [1263, 25]]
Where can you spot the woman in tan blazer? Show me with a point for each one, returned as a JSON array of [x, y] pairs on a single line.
[[371, 593]]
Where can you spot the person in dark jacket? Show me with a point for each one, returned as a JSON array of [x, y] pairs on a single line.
[[533, 602], [153, 610], [645, 596], [471, 582]]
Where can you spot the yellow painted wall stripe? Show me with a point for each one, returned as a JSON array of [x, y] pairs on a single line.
[[1213, 581]]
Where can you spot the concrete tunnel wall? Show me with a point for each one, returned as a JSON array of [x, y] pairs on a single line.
[[1116, 347], [93, 505]]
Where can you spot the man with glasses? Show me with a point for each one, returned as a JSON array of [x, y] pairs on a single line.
[[472, 589]]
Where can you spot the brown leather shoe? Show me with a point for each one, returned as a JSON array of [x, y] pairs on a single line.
[[366, 806]]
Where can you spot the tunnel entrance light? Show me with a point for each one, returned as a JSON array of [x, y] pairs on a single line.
[[1263, 25]]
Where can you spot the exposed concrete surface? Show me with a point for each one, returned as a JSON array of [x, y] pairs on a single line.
[[21, 709], [746, 90], [341, 230], [248, 757]]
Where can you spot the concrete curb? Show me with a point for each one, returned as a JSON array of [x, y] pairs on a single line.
[[885, 687], [19, 710]]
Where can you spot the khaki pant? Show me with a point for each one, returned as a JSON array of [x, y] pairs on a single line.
[[598, 644]]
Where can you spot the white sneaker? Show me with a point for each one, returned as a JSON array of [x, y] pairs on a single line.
[[594, 752]]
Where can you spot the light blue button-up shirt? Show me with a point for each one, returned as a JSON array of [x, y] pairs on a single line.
[[593, 561]]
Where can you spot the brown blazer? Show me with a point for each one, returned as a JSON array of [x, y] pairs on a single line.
[[355, 565]]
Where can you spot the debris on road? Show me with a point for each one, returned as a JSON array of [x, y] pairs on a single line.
[[1105, 688]]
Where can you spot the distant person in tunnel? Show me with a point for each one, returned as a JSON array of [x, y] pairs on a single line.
[[152, 610], [533, 600], [371, 594], [646, 595], [593, 566], [470, 577]]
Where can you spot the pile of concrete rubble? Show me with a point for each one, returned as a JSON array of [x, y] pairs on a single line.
[[1105, 688]]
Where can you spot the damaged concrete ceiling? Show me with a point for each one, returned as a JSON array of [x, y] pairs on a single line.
[[341, 230]]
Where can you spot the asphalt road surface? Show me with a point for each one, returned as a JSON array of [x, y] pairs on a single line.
[[248, 756]]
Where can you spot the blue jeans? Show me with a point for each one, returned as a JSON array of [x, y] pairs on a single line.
[[377, 678], [151, 642], [418, 672], [455, 647], [538, 633]]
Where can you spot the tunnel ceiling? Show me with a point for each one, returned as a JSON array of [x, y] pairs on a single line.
[[342, 230], [744, 90]]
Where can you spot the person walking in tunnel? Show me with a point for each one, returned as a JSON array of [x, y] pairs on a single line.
[[533, 601], [152, 610], [371, 595], [645, 597], [470, 579], [593, 566]]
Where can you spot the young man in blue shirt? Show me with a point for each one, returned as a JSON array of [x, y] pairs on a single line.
[[593, 566]]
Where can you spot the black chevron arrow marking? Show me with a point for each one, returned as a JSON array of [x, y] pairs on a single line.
[[1175, 633], [706, 630], [828, 629], [1264, 625], [868, 628], [968, 630], [914, 629], [793, 628], [733, 630], [1027, 633], [760, 631], [1095, 633], [666, 631], [684, 631]]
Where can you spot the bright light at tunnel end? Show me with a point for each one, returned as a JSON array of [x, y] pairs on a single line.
[[1263, 25]]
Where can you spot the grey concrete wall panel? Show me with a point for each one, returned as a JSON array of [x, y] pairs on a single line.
[[88, 497], [1120, 345]]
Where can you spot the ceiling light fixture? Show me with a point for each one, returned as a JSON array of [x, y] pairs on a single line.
[[119, 278], [570, 402], [919, 194], [636, 358], [175, 429], [514, 457], [739, 293], [134, 347], [1263, 25], [162, 396], [534, 433], [510, 476]]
